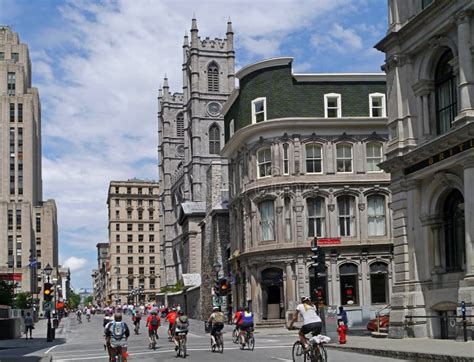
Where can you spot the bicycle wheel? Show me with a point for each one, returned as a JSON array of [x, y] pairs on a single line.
[[298, 352], [251, 343], [235, 336], [183, 348], [178, 351], [213, 346], [322, 354], [221, 344]]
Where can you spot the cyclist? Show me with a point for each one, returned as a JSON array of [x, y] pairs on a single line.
[[116, 335], [311, 321], [181, 327], [246, 323], [153, 321], [171, 317], [88, 314], [78, 315], [107, 318], [136, 318], [217, 321]]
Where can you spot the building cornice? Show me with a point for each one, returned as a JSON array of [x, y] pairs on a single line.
[[301, 123], [340, 77], [267, 63]]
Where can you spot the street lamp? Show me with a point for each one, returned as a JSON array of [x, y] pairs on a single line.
[[217, 268], [49, 338]]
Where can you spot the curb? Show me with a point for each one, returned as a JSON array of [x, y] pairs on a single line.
[[412, 356]]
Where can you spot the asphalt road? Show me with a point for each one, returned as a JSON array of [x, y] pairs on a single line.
[[84, 342]]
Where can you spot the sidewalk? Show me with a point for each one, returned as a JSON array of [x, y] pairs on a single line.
[[27, 349], [414, 349]]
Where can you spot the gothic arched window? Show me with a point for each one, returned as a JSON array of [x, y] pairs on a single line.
[[446, 94], [213, 77], [214, 140], [180, 125]]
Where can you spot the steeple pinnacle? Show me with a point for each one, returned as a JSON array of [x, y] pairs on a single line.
[[194, 26], [229, 27], [186, 41]]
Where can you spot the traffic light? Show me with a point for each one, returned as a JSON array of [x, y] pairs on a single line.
[[318, 258], [223, 287], [217, 287], [48, 292]]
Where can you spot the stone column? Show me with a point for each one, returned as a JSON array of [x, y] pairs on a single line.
[[290, 288], [466, 81], [435, 234]]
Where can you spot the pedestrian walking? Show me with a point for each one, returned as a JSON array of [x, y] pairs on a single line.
[[29, 325]]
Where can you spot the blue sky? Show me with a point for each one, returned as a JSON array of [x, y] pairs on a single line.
[[98, 66]]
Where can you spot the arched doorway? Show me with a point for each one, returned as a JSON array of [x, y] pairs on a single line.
[[272, 293]]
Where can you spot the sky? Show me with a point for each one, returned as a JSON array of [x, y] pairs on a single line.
[[98, 66]]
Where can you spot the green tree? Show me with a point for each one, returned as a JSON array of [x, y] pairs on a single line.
[[23, 300], [74, 300], [6, 293], [88, 300]]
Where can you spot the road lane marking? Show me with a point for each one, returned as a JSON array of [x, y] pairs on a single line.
[[49, 350], [164, 351], [282, 359]]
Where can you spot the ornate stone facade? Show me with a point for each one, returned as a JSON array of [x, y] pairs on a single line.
[[430, 155], [295, 177]]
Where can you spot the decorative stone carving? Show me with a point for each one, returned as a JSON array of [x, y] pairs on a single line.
[[443, 179], [331, 207], [361, 206], [396, 60], [214, 109]]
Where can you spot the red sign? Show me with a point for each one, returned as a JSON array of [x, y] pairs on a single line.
[[329, 241], [11, 276]]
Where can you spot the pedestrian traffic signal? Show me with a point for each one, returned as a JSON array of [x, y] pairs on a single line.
[[48, 291], [318, 258]]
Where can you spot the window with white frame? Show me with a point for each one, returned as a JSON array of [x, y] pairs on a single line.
[[344, 158], [332, 105], [316, 216], [376, 215], [259, 110], [313, 158], [286, 159], [374, 156], [377, 105], [231, 128], [264, 162], [267, 219], [346, 215]]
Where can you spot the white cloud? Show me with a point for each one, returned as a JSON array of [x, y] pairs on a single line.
[[75, 264], [339, 39]]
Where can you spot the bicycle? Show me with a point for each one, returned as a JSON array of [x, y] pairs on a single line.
[[181, 339], [315, 351], [247, 339], [88, 317], [235, 335], [118, 353], [136, 328], [153, 339], [219, 345], [79, 319]]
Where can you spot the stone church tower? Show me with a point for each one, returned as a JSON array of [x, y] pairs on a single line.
[[191, 134]]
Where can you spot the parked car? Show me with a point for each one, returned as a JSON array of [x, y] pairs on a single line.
[[384, 322]]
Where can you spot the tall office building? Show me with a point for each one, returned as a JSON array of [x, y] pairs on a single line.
[[134, 252], [28, 225]]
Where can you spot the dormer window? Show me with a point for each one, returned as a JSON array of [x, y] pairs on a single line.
[[332, 105], [259, 110], [377, 105]]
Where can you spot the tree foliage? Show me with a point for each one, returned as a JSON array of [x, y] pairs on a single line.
[[6, 293], [88, 300], [23, 300], [74, 300]]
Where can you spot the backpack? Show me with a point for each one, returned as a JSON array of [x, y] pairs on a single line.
[[154, 321], [219, 317], [118, 330], [247, 317]]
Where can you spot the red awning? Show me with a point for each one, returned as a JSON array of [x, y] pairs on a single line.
[[10, 276]]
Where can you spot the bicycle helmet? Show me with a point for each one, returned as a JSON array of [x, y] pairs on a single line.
[[305, 299]]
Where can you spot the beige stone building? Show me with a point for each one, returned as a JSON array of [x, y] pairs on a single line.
[[28, 225], [134, 252], [430, 156]]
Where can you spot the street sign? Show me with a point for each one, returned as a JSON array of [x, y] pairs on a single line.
[[47, 306]]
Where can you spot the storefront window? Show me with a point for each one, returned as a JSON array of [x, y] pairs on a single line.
[[349, 277]]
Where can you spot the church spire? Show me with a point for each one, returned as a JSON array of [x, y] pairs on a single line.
[[229, 27]]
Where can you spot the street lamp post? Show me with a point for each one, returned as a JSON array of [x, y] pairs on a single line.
[[49, 338]]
